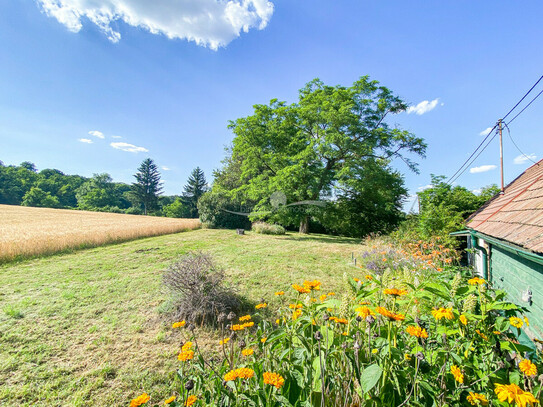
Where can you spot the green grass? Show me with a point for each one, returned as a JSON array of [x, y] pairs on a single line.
[[85, 329]]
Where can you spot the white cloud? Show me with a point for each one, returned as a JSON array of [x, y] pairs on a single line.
[[423, 107], [212, 23], [485, 131], [85, 140], [116, 137], [521, 159], [482, 168], [128, 147], [477, 191], [425, 187], [166, 168], [96, 133]]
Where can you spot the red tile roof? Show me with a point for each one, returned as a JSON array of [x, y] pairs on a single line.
[[517, 215]]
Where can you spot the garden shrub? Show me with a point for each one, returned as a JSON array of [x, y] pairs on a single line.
[[198, 290], [406, 335], [268, 229]]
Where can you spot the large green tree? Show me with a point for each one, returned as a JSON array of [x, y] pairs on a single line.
[[306, 149], [196, 186], [148, 187], [96, 193]]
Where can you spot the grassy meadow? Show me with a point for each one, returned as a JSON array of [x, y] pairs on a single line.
[[55, 230], [86, 328]]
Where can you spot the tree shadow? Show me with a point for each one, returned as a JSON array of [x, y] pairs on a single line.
[[323, 238]]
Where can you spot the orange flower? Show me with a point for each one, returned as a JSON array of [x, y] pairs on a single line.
[[322, 297], [170, 400], [263, 340], [364, 312], [141, 399], [247, 352], [273, 379], [389, 314], [339, 320], [262, 305], [443, 313], [417, 331], [368, 277], [224, 341], [296, 314], [476, 399], [457, 373], [300, 289], [312, 285], [395, 292], [179, 324], [185, 355], [476, 281], [295, 306], [513, 393], [280, 293], [463, 319], [241, 373], [191, 400], [527, 367]]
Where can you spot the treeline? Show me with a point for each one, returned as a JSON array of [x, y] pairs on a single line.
[[50, 188]]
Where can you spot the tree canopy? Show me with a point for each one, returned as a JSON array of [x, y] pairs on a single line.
[[196, 186], [320, 145], [148, 186]]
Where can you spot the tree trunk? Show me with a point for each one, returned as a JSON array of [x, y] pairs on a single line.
[[304, 225]]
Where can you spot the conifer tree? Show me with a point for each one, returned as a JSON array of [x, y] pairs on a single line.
[[147, 188], [195, 188]]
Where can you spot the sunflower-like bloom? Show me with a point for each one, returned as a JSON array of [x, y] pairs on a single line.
[[241, 373], [261, 305], [513, 393], [245, 318], [417, 331], [138, 401], [463, 319], [477, 399], [274, 379], [179, 324], [295, 306], [300, 289], [527, 367], [312, 285], [322, 297], [457, 373], [395, 292], [443, 313], [339, 320], [331, 293], [296, 314], [224, 341], [185, 355], [264, 339], [390, 315], [364, 312], [241, 327], [279, 293], [368, 277], [187, 346], [476, 281], [170, 400], [516, 322], [247, 352], [191, 400]]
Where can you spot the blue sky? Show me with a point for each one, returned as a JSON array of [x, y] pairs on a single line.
[[127, 72]]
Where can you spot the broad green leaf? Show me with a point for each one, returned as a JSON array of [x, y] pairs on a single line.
[[370, 377]]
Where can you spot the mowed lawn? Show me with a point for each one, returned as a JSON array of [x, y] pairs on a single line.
[[86, 328]]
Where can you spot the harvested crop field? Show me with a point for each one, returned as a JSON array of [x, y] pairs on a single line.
[[28, 232]]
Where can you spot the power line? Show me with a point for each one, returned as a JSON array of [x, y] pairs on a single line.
[[515, 144], [467, 163]]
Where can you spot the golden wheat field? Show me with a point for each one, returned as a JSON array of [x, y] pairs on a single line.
[[27, 232]]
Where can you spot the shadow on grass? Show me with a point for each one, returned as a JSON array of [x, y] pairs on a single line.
[[323, 238]]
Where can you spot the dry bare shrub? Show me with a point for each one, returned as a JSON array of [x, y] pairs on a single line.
[[199, 291]]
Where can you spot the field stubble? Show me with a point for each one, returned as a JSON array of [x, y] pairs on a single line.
[[29, 232]]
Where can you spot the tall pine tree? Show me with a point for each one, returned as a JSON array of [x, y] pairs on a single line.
[[147, 188], [195, 188]]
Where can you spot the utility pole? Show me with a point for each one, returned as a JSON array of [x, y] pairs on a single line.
[[501, 154]]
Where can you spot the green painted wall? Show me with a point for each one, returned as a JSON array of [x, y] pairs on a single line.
[[516, 275]]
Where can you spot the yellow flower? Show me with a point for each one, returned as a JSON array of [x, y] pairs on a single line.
[[312, 285], [224, 341], [274, 379], [463, 319], [295, 306], [476, 399], [237, 327], [417, 331], [368, 277], [364, 312], [389, 314], [482, 335], [395, 292], [339, 320], [296, 314], [263, 340], [241, 373], [262, 305], [170, 400], [185, 355], [374, 351], [247, 352], [248, 324], [513, 393], [280, 293], [191, 400], [516, 322], [476, 280], [322, 297], [187, 346], [300, 289], [245, 318], [277, 321], [178, 324], [527, 367], [138, 401], [407, 356], [526, 321], [443, 313], [330, 294], [457, 373]]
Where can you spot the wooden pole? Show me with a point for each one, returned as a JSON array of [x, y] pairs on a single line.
[[501, 155]]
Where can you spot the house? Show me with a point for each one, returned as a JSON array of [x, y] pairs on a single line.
[[507, 235]]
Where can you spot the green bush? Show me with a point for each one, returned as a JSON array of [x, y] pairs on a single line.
[[218, 210], [268, 229]]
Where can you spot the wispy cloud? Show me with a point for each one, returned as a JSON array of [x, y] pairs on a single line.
[[482, 168], [485, 131], [425, 187], [117, 137], [477, 191], [131, 148], [521, 159], [209, 23], [423, 107], [166, 168], [96, 133], [85, 140]]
